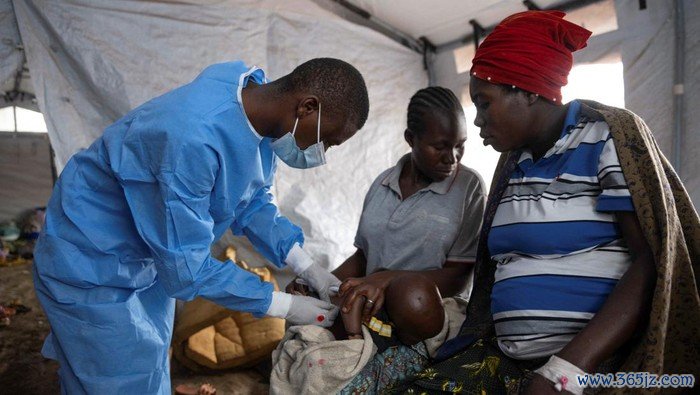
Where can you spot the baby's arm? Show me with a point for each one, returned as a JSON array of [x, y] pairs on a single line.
[[351, 325], [352, 320]]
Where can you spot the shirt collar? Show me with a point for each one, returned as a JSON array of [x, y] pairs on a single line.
[[392, 179], [258, 76], [573, 114]]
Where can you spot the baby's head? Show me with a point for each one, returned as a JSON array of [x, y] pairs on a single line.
[[414, 305]]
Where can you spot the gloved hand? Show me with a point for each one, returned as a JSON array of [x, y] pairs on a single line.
[[306, 310], [321, 281], [310, 272], [302, 310]]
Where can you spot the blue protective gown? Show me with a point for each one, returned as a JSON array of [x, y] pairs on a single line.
[[130, 224]]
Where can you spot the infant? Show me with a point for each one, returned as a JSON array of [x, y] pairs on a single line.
[[412, 312]]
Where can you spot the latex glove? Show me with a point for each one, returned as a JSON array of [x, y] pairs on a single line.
[[306, 310], [302, 310], [321, 280], [315, 276]]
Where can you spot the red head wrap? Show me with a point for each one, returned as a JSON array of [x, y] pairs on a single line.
[[531, 50]]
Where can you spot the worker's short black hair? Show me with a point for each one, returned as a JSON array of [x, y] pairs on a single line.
[[338, 85], [430, 100]]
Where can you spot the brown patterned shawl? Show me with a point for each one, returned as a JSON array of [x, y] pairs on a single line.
[[671, 342]]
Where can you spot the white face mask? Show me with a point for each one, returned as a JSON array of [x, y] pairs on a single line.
[[286, 148]]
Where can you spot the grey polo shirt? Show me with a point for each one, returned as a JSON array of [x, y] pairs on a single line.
[[438, 223]]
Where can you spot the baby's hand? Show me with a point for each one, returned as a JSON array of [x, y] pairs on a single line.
[[298, 288]]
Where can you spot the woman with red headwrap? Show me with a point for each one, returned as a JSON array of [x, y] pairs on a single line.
[[589, 242]]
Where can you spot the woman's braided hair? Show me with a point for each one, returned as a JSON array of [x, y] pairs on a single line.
[[430, 100]]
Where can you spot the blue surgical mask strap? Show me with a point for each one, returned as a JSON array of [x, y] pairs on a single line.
[[318, 125], [296, 122]]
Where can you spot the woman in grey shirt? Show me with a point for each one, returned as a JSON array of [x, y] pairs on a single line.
[[424, 214], [421, 215]]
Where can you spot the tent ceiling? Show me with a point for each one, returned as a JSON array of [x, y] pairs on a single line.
[[445, 21], [441, 23]]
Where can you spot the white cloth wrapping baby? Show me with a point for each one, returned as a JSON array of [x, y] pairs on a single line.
[[309, 360]]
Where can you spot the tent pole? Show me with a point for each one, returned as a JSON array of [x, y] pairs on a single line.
[[478, 32], [678, 81], [383, 27], [429, 60]]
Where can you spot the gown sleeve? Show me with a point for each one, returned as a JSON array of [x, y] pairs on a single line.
[[270, 232], [168, 189]]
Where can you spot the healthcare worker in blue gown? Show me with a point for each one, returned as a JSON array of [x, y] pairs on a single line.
[[131, 220]]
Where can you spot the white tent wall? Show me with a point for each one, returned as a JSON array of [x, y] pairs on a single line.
[[449, 76], [25, 158], [10, 58], [25, 168], [648, 55], [93, 60]]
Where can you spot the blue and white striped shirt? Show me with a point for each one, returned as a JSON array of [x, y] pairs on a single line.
[[556, 241]]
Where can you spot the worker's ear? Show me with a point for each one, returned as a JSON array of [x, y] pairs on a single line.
[[409, 136], [307, 106]]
